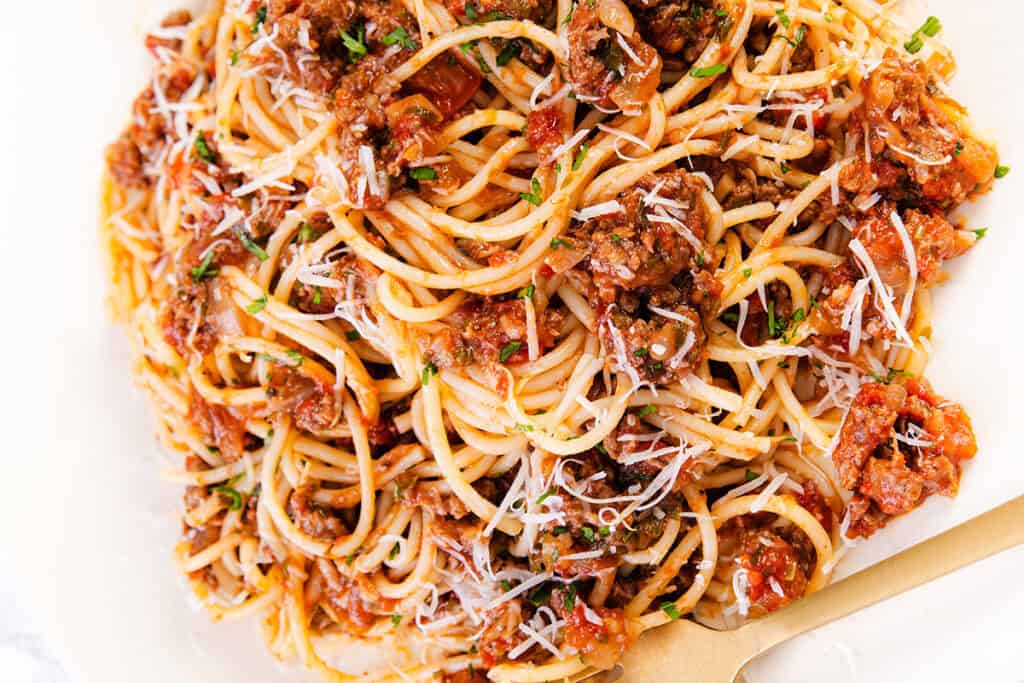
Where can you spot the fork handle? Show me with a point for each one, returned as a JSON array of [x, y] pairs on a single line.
[[986, 535]]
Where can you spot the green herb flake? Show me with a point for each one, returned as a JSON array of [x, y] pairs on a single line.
[[203, 270], [558, 242], [980, 232], [642, 351], [708, 71], [747, 272], [1002, 171], [569, 601], [257, 305], [798, 315], [526, 292], [353, 335], [958, 148], [232, 494], [547, 494], [534, 197], [646, 410], [296, 357], [751, 475], [601, 449], [400, 37], [261, 16], [305, 233], [203, 150], [252, 247], [783, 18], [423, 173], [509, 349], [669, 608], [505, 585], [559, 530], [354, 44], [428, 370], [234, 57], [471, 12], [524, 427], [396, 619], [511, 49], [589, 534], [581, 155]]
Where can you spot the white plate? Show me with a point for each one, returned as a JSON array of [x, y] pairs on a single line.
[[90, 527]]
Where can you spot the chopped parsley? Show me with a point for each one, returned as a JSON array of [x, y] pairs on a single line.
[[354, 44], [508, 349], [305, 233], [505, 585], [400, 37], [257, 305], [783, 18], [1002, 171], [930, 28], [646, 410], [569, 601], [252, 247], [428, 370], [526, 292], [295, 356], [534, 197], [396, 619], [234, 57], [601, 449], [423, 173], [751, 475], [471, 12], [581, 154], [642, 351], [708, 71], [669, 608], [203, 270], [261, 16], [559, 530], [547, 494], [510, 50], [589, 534], [558, 242], [785, 168], [957, 148], [980, 232], [353, 335], [747, 272], [540, 596], [203, 150], [524, 427], [228, 492], [798, 315]]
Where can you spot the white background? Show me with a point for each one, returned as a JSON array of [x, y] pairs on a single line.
[[86, 526]]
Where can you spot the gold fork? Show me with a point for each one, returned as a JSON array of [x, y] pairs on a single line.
[[692, 653]]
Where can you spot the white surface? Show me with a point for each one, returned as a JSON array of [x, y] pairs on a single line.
[[89, 528]]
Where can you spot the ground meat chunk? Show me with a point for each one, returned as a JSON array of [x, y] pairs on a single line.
[[910, 124], [311, 402], [604, 73], [775, 577], [124, 161], [220, 427], [889, 477], [493, 10], [677, 28], [652, 239], [600, 645], [661, 348], [488, 330], [544, 130], [313, 519]]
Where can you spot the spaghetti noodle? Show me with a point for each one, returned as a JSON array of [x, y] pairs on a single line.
[[492, 334]]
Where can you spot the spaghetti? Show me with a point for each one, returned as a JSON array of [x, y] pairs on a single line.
[[492, 334]]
